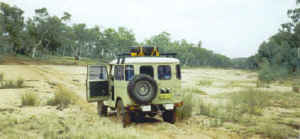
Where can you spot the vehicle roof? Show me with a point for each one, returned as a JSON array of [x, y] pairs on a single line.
[[148, 60]]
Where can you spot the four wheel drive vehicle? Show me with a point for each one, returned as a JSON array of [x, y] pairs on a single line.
[[137, 84]]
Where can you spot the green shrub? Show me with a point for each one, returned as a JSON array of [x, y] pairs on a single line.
[[7, 85], [30, 99], [62, 98], [11, 84], [186, 110], [277, 131], [20, 83], [1, 77], [268, 74], [296, 86]]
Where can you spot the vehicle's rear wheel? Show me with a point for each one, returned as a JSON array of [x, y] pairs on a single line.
[[122, 114], [169, 116], [101, 108]]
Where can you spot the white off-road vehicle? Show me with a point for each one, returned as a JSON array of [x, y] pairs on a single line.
[[142, 82]]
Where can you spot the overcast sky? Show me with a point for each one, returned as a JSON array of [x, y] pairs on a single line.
[[234, 28]]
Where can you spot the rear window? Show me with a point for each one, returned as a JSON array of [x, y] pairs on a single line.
[[164, 72], [129, 72], [178, 72]]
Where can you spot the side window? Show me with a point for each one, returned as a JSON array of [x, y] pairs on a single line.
[[97, 73], [116, 72], [129, 72], [119, 72], [178, 72], [103, 73], [164, 72]]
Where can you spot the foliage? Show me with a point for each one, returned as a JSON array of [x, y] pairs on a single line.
[[30, 99], [44, 34], [62, 98], [19, 83], [276, 131], [1, 77]]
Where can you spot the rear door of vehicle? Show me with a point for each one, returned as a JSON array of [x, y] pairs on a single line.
[[97, 83]]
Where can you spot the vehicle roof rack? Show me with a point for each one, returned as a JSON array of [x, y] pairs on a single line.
[[142, 51]]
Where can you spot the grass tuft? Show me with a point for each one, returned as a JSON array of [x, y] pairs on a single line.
[[19, 83], [186, 110], [276, 131], [1, 77], [250, 101], [30, 99], [62, 98]]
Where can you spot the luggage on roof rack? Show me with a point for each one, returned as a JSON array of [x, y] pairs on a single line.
[[141, 51], [144, 51]]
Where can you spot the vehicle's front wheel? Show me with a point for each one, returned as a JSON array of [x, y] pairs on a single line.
[[101, 108], [169, 116], [122, 114]]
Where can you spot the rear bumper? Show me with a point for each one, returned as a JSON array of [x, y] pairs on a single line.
[[155, 107]]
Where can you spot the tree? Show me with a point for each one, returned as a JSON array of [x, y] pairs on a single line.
[[12, 24]]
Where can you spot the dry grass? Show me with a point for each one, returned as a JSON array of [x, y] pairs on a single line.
[[62, 98], [205, 83], [30, 99], [186, 110], [9, 84], [73, 124], [194, 90]]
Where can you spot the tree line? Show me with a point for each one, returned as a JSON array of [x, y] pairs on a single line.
[[279, 56], [44, 34]]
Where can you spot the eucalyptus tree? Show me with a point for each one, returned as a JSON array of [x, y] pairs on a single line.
[[12, 25]]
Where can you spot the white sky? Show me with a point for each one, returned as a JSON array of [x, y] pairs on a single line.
[[234, 28]]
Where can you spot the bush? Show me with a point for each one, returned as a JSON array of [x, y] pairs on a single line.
[[20, 83], [268, 74], [296, 86], [30, 99], [11, 85], [62, 98], [7, 85], [185, 111], [1, 77], [277, 131]]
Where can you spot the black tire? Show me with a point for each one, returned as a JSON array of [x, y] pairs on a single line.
[[169, 116], [101, 108], [122, 114], [142, 89]]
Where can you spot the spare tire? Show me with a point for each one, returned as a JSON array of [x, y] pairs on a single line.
[[142, 89]]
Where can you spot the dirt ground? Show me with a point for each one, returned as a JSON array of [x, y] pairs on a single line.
[[43, 80]]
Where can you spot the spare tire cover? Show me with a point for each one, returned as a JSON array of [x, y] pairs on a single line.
[[142, 89]]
